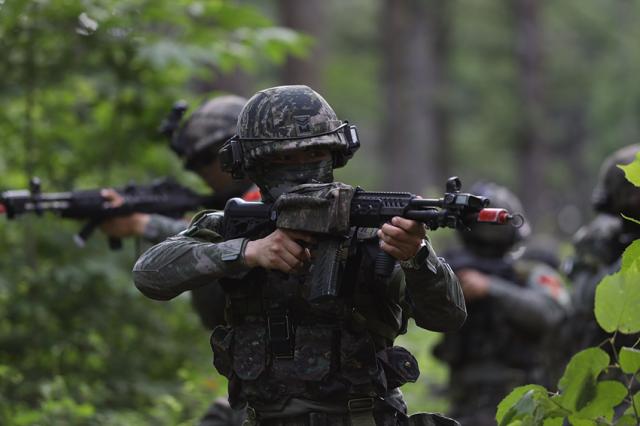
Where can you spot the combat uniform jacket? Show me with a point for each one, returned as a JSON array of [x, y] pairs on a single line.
[[282, 353], [159, 228], [599, 247], [208, 302], [598, 252], [500, 345]]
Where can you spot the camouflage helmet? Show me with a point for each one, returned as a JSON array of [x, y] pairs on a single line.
[[491, 239], [287, 118], [613, 193], [206, 130]]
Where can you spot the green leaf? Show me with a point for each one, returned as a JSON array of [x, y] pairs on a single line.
[[627, 420], [578, 384], [557, 421], [631, 257], [629, 360], [636, 403], [576, 421], [617, 301], [527, 405], [608, 395], [512, 399], [632, 171]]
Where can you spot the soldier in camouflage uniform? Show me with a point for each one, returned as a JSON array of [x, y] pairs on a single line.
[[289, 360], [197, 143], [600, 244], [512, 304]]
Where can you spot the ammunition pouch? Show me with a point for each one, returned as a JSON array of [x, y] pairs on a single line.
[[249, 351], [221, 344], [399, 366]]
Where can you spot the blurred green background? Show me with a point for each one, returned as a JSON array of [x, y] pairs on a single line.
[[531, 94]]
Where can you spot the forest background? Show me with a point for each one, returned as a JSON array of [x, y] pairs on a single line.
[[530, 94]]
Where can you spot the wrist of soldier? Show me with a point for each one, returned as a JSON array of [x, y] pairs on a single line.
[[140, 222], [250, 254], [418, 259]]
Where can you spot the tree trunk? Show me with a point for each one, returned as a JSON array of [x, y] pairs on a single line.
[[532, 148], [573, 145], [407, 134], [416, 146], [439, 44], [307, 17]]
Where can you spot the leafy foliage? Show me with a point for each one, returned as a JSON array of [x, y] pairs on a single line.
[[586, 394], [85, 84], [617, 303], [630, 360], [632, 171]]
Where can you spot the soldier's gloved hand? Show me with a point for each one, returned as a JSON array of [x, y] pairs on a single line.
[[402, 238], [124, 226], [279, 250], [475, 284]]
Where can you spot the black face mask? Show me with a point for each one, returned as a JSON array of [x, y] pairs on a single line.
[[275, 181]]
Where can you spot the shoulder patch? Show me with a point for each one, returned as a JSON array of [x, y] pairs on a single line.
[[552, 283], [204, 226], [199, 216]]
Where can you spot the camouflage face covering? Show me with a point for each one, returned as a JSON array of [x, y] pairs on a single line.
[[275, 181]]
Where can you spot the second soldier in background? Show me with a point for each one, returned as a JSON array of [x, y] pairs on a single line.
[[512, 304], [197, 143]]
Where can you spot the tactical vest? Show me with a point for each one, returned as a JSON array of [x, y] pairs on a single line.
[[279, 346], [208, 301]]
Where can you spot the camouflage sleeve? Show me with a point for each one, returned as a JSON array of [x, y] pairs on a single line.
[[194, 258], [538, 306], [434, 295], [159, 228]]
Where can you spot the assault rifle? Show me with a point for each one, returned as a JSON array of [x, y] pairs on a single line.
[[332, 215], [163, 196]]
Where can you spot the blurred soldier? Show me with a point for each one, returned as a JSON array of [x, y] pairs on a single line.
[[600, 244], [197, 143], [294, 361], [512, 304]]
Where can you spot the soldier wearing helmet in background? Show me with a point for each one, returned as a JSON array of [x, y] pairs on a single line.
[[197, 143], [512, 304], [293, 361], [599, 246]]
